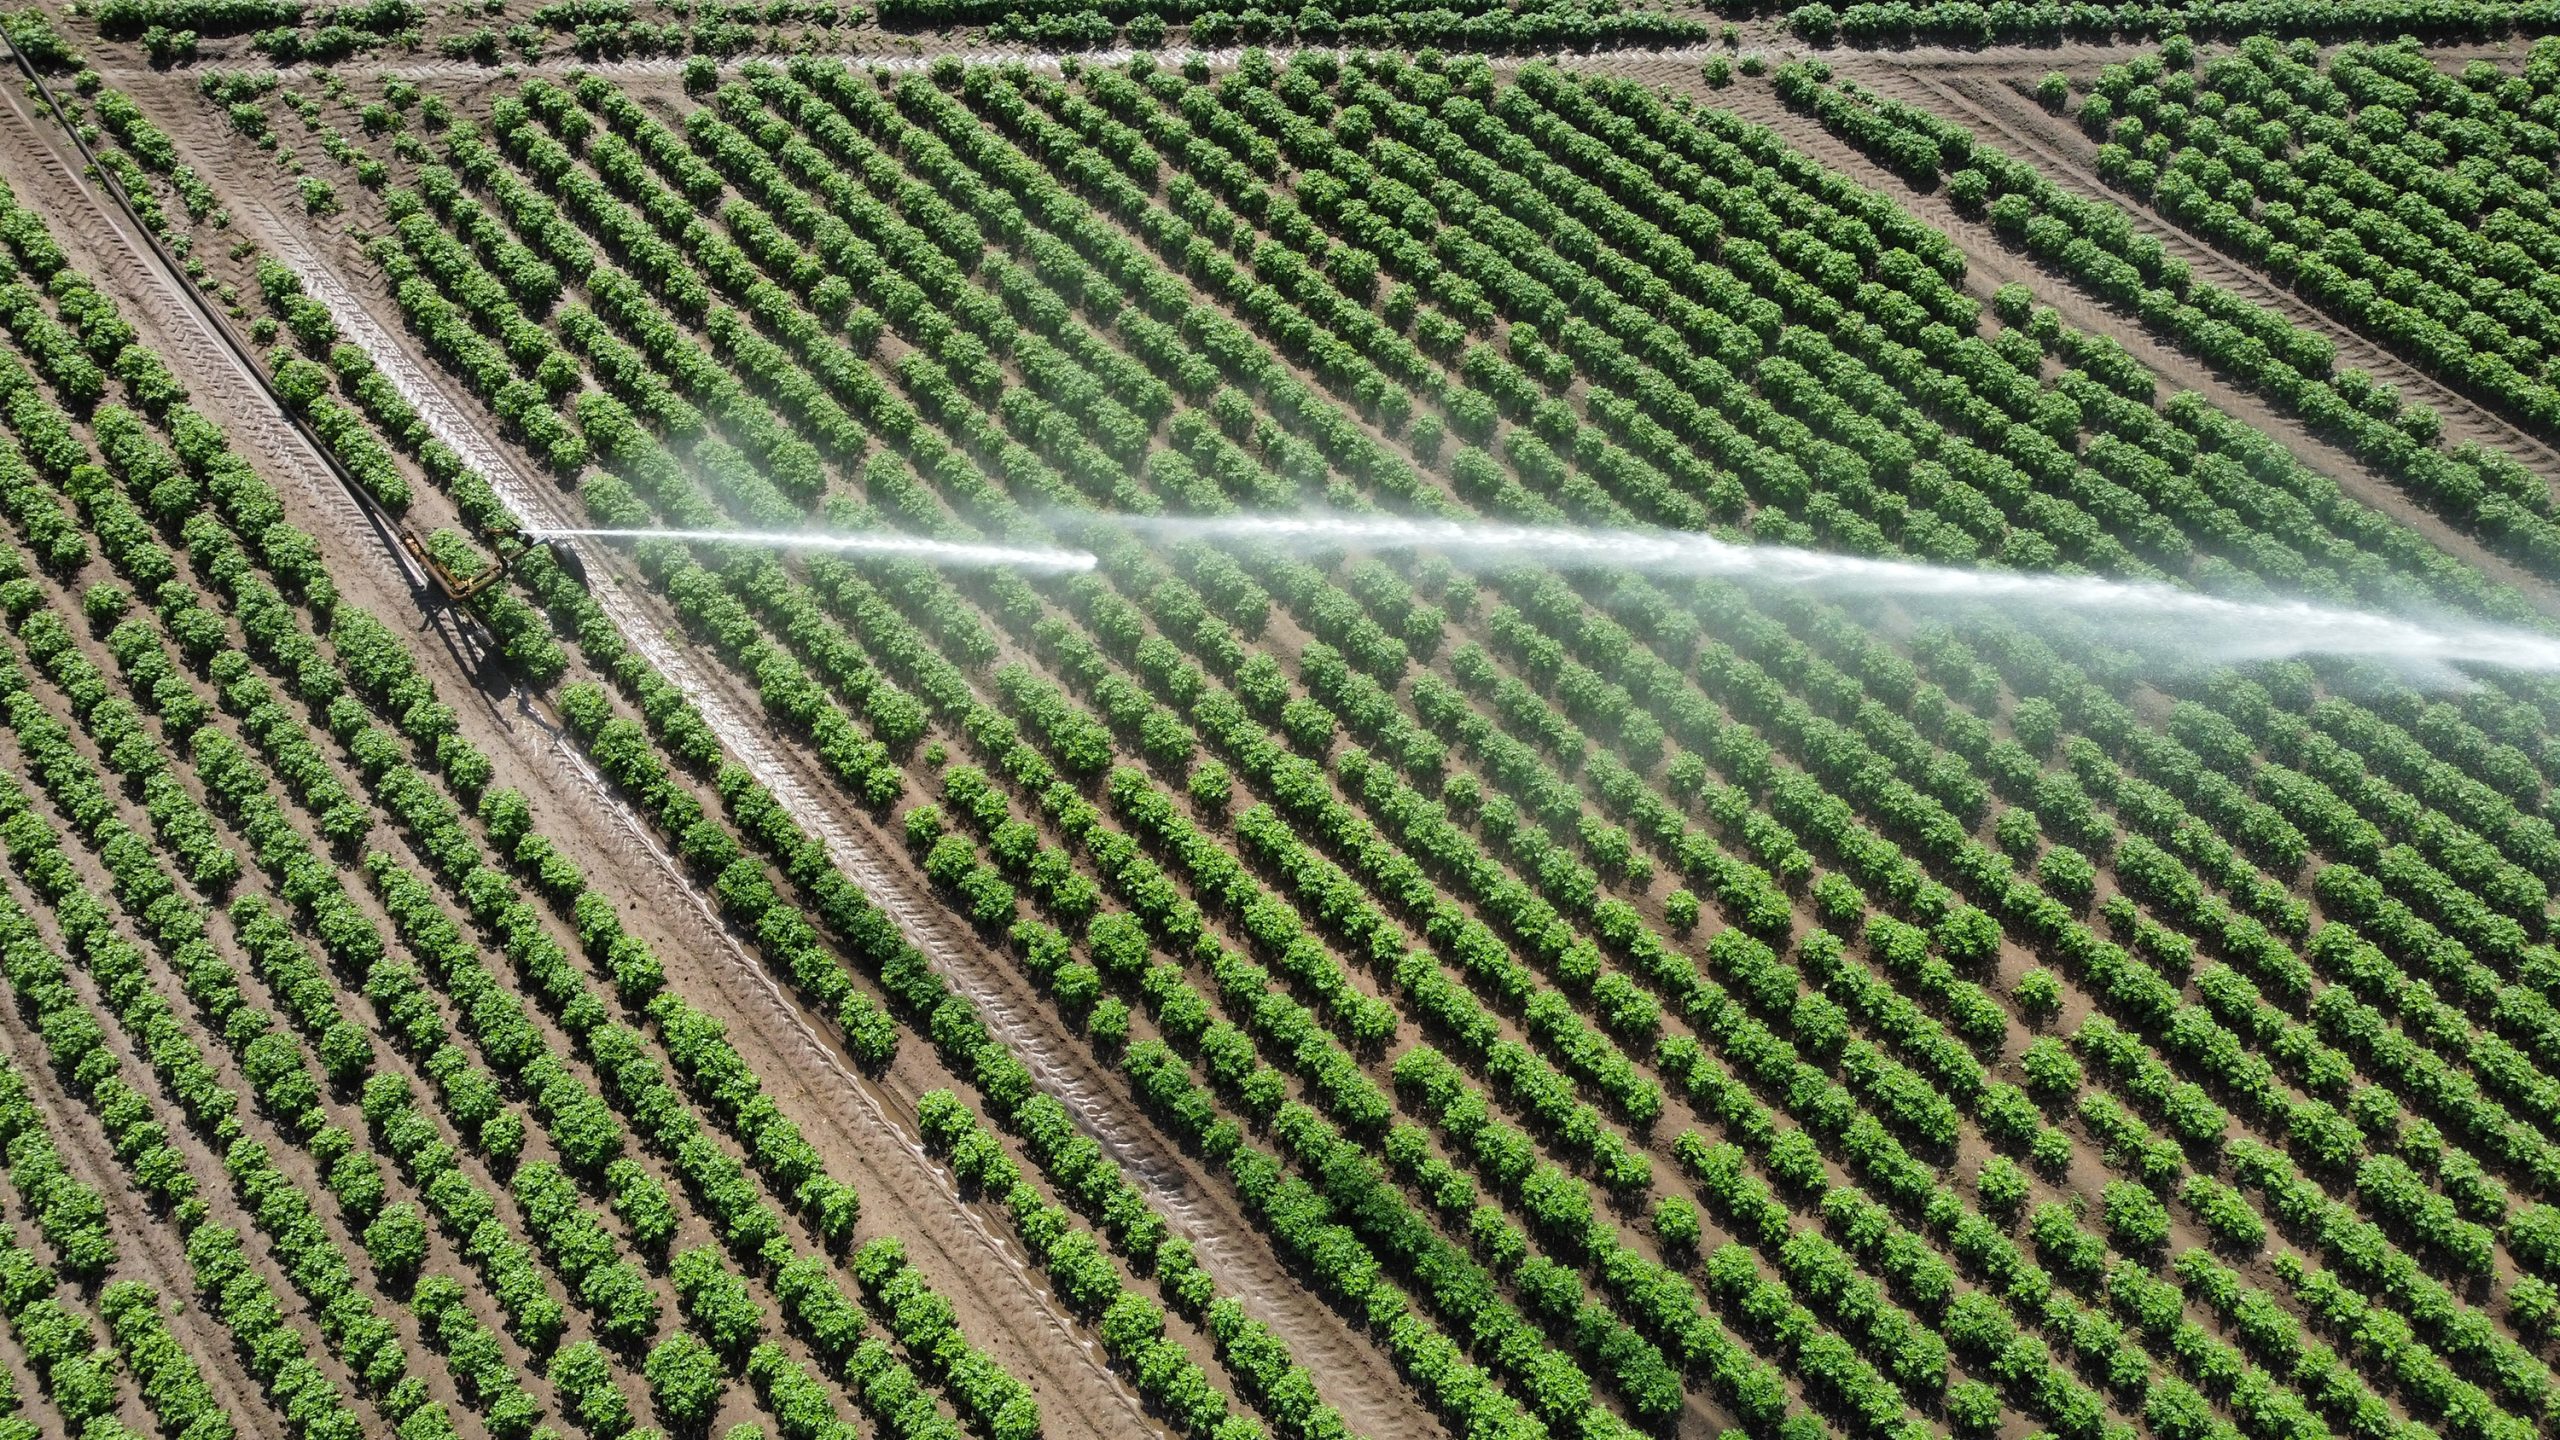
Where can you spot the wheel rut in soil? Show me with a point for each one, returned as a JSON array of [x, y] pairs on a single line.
[[1350, 1373], [1079, 1384]]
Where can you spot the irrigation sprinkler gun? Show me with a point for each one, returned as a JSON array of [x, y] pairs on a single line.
[[508, 545], [453, 588]]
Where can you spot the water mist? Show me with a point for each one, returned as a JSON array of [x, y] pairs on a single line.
[[2178, 626]]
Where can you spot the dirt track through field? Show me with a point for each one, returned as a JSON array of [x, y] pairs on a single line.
[[794, 1046], [1081, 1395], [1353, 1376]]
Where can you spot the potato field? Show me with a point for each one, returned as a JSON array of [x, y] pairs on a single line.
[[1515, 720]]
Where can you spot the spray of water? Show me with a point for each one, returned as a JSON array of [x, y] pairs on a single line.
[[2173, 624], [886, 544], [2169, 625]]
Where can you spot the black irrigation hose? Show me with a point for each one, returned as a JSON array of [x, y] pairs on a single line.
[[386, 527]]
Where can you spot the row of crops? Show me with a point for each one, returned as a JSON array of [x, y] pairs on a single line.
[[435, 1148], [2412, 204], [286, 31], [1617, 996], [1969, 23], [2482, 489], [1496, 25], [617, 29]]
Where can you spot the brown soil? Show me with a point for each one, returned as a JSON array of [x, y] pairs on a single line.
[[904, 1193], [870, 1139]]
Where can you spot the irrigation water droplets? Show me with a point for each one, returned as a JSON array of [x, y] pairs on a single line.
[[2167, 625], [2164, 625]]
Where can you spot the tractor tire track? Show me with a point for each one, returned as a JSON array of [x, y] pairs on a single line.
[[534, 506], [1242, 1266]]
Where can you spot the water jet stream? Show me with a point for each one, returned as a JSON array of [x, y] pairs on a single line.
[[881, 543], [2178, 626]]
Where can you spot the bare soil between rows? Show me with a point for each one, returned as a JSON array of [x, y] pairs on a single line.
[[1003, 1304], [1990, 264]]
